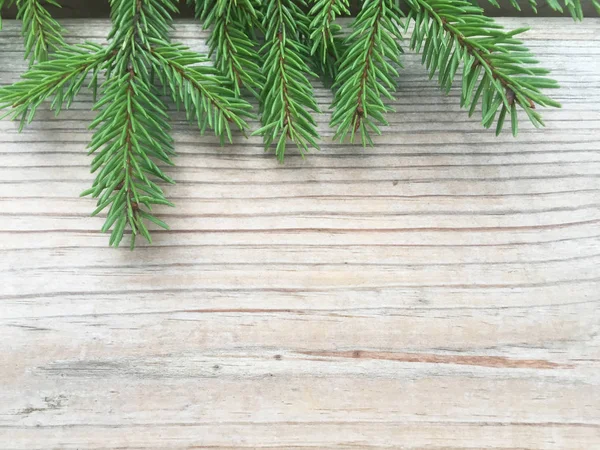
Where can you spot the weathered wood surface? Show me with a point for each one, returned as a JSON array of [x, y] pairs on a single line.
[[440, 291]]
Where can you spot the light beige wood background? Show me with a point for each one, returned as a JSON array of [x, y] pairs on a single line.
[[439, 291]]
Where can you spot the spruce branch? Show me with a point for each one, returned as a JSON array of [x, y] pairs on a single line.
[[497, 67], [131, 132], [287, 96], [42, 34], [234, 48], [327, 43], [573, 6], [202, 90], [135, 22], [367, 73], [60, 79], [140, 20], [132, 127]]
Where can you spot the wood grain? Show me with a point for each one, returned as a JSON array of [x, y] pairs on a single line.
[[439, 291]]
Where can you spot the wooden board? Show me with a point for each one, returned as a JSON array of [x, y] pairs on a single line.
[[439, 291]]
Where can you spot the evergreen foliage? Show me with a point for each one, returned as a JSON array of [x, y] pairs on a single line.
[[271, 51], [497, 69], [131, 143], [287, 97], [42, 34], [572, 6], [326, 39], [232, 40], [366, 71]]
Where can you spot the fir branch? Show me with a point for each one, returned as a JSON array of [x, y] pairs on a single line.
[[327, 43], [132, 127], [200, 88], [135, 23], [573, 6], [132, 133], [132, 130], [141, 20], [60, 79], [302, 20], [42, 34], [287, 95], [235, 50], [497, 67], [367, 73]]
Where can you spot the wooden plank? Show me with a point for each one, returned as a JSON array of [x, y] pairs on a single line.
[[439, 291]]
